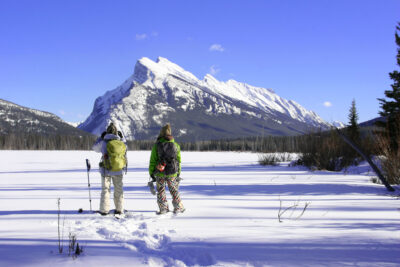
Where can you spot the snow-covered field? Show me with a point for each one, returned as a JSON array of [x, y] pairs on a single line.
[[231, 219]]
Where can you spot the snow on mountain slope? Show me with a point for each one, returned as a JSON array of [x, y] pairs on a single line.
[[6, 106], [338, 124], [18, 119], [262, 98], [160, 92]]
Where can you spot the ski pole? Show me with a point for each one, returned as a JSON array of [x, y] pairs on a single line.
[[88, 170]]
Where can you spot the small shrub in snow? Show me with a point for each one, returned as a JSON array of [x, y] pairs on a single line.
[[375, 180], [390, 157], [268, 159], [74, 249], [326, 151], [284, 157], [273, 159]]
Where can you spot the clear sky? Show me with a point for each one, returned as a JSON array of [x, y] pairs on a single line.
[[60, 55]]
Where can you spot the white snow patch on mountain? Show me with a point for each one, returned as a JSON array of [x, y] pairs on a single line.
[[338, 124], [6, 105], [179, 90], [73, 124], [262, 98]]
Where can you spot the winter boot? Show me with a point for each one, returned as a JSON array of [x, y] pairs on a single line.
[[163, 211], [179, 210]]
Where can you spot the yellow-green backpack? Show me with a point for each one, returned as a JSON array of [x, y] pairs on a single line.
[[115, 159]]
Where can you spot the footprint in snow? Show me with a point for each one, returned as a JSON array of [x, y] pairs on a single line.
[[143, 226]]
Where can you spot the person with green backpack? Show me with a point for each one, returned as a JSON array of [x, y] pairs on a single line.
[[111, 144], [165, 168]]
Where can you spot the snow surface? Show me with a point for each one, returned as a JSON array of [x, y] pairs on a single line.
[[231, 217]]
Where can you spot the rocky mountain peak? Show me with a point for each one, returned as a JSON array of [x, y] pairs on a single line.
[[161, 91]]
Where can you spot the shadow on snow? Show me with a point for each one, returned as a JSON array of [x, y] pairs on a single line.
[[274, 189], [226, 168], [313, 252]]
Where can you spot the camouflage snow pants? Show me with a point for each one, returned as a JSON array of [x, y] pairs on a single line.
[[106, 192], [173, 189]]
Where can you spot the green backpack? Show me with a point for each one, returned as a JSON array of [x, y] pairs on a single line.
[[115, 159]]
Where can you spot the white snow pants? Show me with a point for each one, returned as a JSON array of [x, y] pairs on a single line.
[[106, 192]]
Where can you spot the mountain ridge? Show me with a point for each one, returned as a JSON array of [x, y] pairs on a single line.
[[160, 92], [18, 119]]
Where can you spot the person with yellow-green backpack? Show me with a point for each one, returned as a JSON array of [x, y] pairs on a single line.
[[112, 145], [165, 168]]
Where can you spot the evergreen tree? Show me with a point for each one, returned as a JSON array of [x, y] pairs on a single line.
[[353, 128], [391, 107]]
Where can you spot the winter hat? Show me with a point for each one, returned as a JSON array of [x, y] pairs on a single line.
[[165, 131], [111, 129]]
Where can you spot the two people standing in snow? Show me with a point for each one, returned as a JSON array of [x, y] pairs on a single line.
[[111, 144], [164, 168]]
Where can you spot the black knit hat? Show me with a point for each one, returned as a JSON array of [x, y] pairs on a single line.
[[111, 129]]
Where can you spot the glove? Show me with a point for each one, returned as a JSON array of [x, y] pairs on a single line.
[[103, 134], [150, 184], [153, 178], [178, 179], [120, 134]]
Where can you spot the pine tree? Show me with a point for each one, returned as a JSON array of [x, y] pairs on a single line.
[[353, 129], [391, 108]]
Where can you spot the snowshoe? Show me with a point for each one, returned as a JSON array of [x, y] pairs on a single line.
[[120, 214], [102, 213], [161, 212], [176, 211]]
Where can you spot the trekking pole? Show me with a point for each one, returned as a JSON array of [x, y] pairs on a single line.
[[88, 170]]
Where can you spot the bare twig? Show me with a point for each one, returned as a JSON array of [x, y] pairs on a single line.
[[304, 210], [293, 208], [281, 212], [60, 242], [273, 178], [74, 249]]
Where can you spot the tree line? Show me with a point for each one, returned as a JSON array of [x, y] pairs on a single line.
[[22, 141], [29, 141]]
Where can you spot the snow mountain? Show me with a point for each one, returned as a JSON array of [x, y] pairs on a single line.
[[338, 124], [18, 119], [160, 92]]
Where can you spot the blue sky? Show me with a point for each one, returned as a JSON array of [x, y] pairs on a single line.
[[59, 56]]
